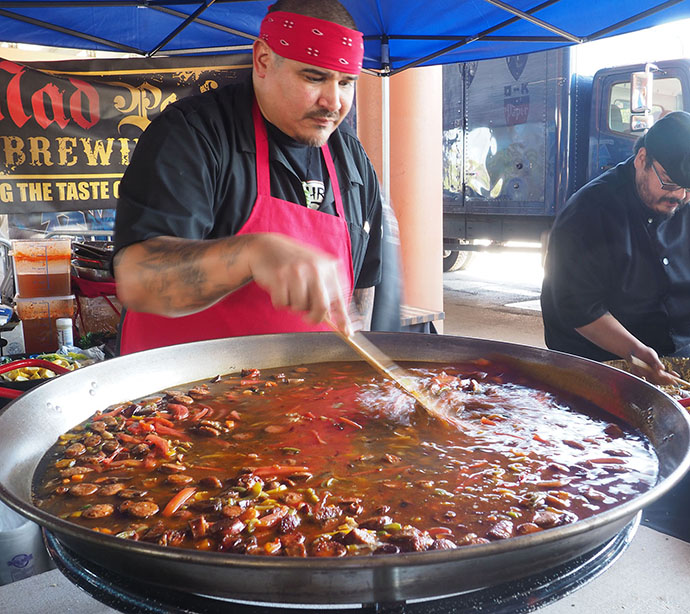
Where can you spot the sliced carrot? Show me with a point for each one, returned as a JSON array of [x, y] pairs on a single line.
[[201, 413], [273, 546], [164, 430], [278, 470], [318, 437], [350, 422], [146, 427], [114, 412], [160, 420], [273, 518], [480, 463], [178, 501], [129, 438], [134, 427], [109, 459]]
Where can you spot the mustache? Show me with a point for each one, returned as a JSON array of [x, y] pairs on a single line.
[[673, 201], [323, 114]]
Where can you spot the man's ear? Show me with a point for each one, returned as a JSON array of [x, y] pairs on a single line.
[[262, 57]]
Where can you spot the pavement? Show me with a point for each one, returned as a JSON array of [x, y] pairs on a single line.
[[497, 298]]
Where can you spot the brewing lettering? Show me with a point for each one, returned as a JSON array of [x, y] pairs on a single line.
[[65, 151], [39, 151], [13, 147], [65, 147]]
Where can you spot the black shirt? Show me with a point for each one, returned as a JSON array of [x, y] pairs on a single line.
[[608, 252], [193, 175]]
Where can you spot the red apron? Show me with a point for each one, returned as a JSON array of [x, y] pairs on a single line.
[[248, 310]]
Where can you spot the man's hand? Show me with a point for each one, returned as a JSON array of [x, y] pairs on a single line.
[[298, 277], [645, 363]]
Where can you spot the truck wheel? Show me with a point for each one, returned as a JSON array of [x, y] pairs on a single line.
[[454, 260]]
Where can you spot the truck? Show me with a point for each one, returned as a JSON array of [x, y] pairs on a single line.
[[522, 133]]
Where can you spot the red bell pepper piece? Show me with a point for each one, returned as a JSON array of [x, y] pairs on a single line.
[[159, 443]]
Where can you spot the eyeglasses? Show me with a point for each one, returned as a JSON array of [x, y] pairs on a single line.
[[668, 187]]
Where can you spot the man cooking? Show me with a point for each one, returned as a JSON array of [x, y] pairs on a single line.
[[617, 274], [249, 209]]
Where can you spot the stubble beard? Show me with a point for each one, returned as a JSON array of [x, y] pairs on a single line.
[[314, 141], [652, 203], [321, 138]]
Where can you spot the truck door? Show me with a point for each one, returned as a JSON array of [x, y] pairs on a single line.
[[611, 140]]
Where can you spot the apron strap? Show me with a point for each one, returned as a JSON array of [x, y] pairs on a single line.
[[332, 175], [263, 176]]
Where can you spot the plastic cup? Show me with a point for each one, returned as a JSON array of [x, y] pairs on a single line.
[[39, 317], [42, 268], [22, 552]]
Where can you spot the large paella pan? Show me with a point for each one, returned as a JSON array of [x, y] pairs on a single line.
[[31, 424]]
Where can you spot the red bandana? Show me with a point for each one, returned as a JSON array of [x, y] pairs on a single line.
[[313, 41]]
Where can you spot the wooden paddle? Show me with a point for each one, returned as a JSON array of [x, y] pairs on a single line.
[[393, 371]]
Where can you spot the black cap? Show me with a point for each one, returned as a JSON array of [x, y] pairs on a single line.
[[668, 142]]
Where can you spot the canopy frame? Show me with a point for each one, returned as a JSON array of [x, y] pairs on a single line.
[[552, 34]]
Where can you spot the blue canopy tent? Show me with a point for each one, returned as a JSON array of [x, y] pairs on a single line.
[[398, 34]]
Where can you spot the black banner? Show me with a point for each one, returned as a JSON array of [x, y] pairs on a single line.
[[68, 129]]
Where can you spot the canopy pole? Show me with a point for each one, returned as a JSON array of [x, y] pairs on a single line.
[[536, 21], [386, 121], [386, 138], [190, 19]]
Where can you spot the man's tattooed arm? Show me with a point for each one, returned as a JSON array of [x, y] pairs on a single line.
[[173, 277]]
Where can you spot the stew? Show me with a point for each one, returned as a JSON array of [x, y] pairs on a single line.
[[329, 459]]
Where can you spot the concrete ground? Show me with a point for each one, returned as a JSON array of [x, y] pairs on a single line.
[[497, 297]]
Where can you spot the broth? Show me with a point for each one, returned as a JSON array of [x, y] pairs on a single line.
[[328, 459]]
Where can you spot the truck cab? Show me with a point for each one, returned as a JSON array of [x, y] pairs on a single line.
[[612, 134]]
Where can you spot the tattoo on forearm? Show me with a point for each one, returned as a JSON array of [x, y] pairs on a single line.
[[177, 271]]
